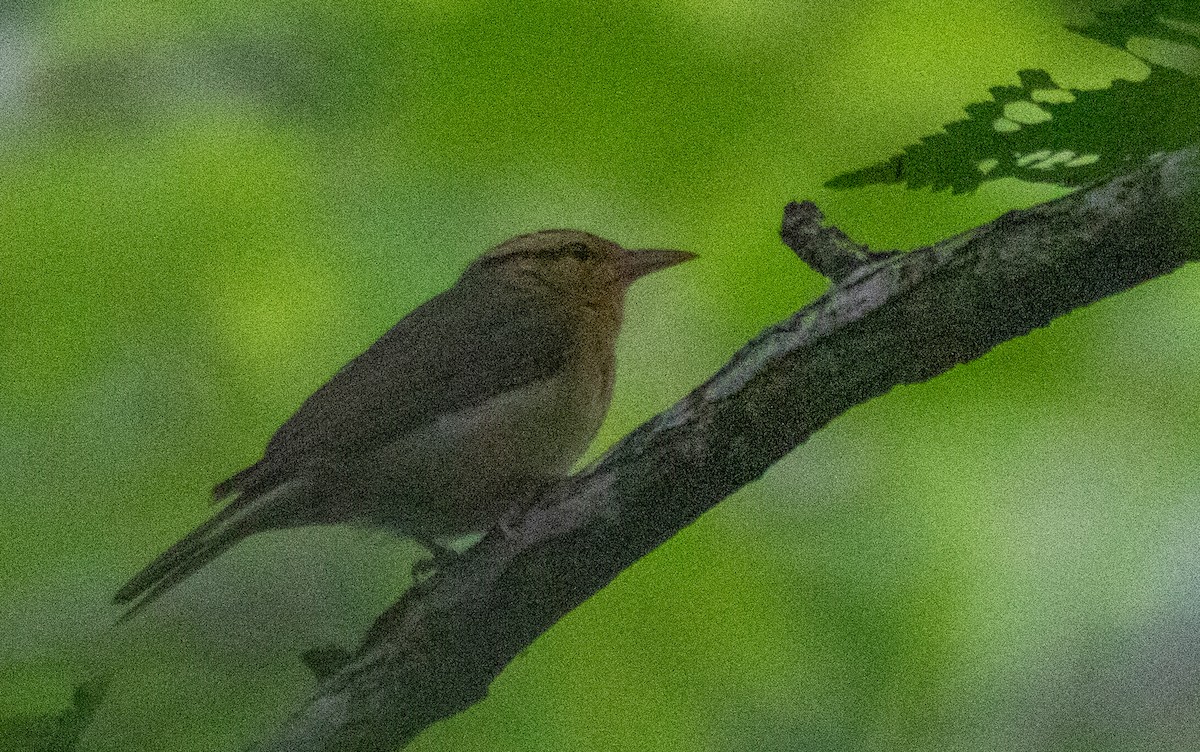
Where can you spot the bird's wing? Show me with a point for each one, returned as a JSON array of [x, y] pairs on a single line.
[[457, 350]]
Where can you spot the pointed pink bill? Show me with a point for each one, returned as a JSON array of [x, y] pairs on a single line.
[[642, 261]]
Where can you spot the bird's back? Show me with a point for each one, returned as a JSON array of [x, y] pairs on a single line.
[[462, 348]]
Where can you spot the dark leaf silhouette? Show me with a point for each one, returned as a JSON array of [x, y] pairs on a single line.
[[1040, 132], [54, 732]]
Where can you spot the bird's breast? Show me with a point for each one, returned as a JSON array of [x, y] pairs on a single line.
[[462, 470], [540, 428]]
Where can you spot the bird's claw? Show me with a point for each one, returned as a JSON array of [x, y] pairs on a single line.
[[508, 526], [442, 557]]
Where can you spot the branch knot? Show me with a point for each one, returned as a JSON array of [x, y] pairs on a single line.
[[828, 250]]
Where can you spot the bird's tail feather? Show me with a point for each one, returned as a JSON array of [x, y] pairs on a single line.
[[240, 518]]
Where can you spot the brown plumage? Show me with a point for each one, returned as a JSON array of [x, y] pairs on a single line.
[[466, 406]]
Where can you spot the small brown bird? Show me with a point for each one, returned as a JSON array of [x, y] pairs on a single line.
[[465, 407]]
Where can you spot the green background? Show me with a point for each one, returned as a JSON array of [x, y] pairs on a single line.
[[207, 207]]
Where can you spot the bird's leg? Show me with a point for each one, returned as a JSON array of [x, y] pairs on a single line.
[[442, 557], [325, 661], [505, 524], [524, 498]]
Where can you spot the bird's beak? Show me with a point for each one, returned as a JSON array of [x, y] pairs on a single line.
[[640, 262]]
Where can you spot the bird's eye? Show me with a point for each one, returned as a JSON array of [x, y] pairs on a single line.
[[579, 250]]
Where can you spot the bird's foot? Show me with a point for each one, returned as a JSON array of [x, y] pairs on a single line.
[[509, 524], [325, 661], [442, 557]]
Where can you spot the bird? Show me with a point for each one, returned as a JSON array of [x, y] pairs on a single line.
[[460, 412]]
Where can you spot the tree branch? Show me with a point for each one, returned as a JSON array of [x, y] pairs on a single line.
[[892, 319]]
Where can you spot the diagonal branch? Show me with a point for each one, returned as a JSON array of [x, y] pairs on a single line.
[[891, 319]]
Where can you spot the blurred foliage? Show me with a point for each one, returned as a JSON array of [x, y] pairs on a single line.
[[1041, 132], [53, 732], [207, 208]]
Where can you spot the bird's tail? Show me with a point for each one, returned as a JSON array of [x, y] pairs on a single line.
[[239, 519]]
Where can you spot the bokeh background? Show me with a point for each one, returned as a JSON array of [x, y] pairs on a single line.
[[207, 207]]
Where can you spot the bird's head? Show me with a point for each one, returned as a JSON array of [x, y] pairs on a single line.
[[585, 269]]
